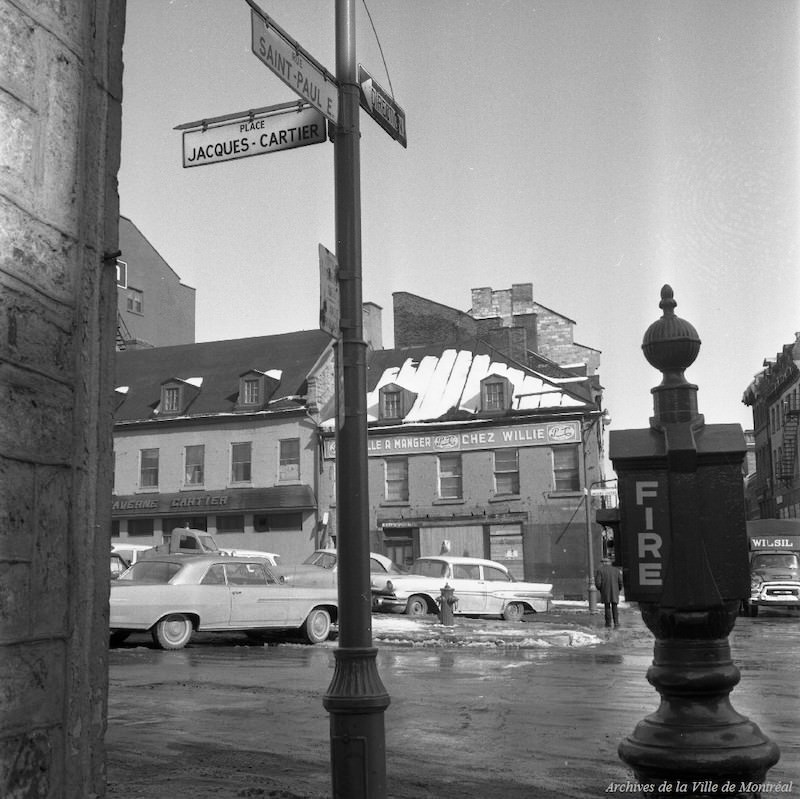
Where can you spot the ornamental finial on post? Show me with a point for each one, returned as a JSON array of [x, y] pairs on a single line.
[[671, 345]]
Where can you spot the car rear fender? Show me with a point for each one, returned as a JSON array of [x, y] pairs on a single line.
[[333, 610], [531, 604], [192, 615], [428, 596]]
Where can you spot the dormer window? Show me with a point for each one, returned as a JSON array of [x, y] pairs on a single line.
[[172, 400], [252, 391], [496, 394], [256, 388], [177, 394], [395, 401], [392, 405]]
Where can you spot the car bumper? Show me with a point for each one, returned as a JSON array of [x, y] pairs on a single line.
[[388, 604], [776, 595]]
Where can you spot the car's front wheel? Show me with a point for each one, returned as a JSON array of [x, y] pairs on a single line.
[[317, 627], [173, 632], [417, 606], [514, 611]]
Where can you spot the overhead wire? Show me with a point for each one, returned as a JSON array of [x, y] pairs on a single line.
[[380, 48]]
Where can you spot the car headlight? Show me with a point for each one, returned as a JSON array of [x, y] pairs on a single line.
[[389, 585], [755, 582]]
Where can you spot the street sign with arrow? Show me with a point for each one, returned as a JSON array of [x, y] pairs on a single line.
[[380, 105]]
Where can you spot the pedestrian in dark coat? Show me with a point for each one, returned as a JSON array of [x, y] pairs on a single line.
[[608, 580]]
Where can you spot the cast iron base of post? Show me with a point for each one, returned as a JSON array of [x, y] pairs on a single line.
[[696, 740], [356, 700]]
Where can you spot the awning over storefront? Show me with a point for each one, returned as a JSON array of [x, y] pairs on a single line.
[[293, 497]]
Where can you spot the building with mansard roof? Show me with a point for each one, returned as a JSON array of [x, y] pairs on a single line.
[[481, 446], [773, 491], [222, 436]]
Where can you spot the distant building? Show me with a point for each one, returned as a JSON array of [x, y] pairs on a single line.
[[774, 396], [479, 444], [750, 476], [476, 443], [507, 319], [221, 436], [154, 309]]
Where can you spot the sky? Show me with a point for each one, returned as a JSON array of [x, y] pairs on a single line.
[[597, 149]]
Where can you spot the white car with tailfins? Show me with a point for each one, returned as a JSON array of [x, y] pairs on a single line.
[[482, 588]]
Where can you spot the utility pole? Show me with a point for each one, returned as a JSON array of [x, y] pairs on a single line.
[[356, 698]]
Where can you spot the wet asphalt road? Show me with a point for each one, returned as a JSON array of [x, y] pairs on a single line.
[[524, 711]]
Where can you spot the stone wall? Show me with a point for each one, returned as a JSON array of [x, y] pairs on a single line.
[[60, 113]]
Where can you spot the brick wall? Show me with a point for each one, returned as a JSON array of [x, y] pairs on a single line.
[[418, 321], [555, 339], [60, 101]]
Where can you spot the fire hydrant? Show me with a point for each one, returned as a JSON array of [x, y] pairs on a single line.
[[447, 603]]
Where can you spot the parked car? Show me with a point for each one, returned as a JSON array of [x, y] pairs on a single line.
[[118, 564], [321, 566], [482, 588], [129, 552], [270, 557], [172, 596]]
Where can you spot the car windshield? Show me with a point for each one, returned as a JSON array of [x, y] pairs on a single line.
[[430, 568], [325, 560], [376, 565], [151, 571], [775, 560]]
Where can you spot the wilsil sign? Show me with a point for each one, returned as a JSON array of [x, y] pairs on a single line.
[[525, 435], [252, 134], [294, 66], [774, 542]]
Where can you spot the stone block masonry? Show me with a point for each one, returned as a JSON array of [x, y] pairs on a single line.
[[60, 111]]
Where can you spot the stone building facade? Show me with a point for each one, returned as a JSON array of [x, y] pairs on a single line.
[[508, 319], [60, 111], [773, 490], [481, 444], [222, 436]]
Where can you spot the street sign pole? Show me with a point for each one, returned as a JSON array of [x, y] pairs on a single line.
[[356, 698]]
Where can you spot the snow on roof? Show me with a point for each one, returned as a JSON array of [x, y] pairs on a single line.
[[452, 379]]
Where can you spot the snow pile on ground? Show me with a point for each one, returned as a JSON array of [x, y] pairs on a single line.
[[476, 633]]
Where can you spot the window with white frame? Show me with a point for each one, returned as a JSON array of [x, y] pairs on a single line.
[[171, 399], [450, 476], [122, 274], [289, 459], [506, 471], [148, 468], [251, 391], [566, 468], [391, 405], [396, 474], [195, 465], [241, 462]]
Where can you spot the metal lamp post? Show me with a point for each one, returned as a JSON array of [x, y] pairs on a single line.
[[605, 419], [356, 698]]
